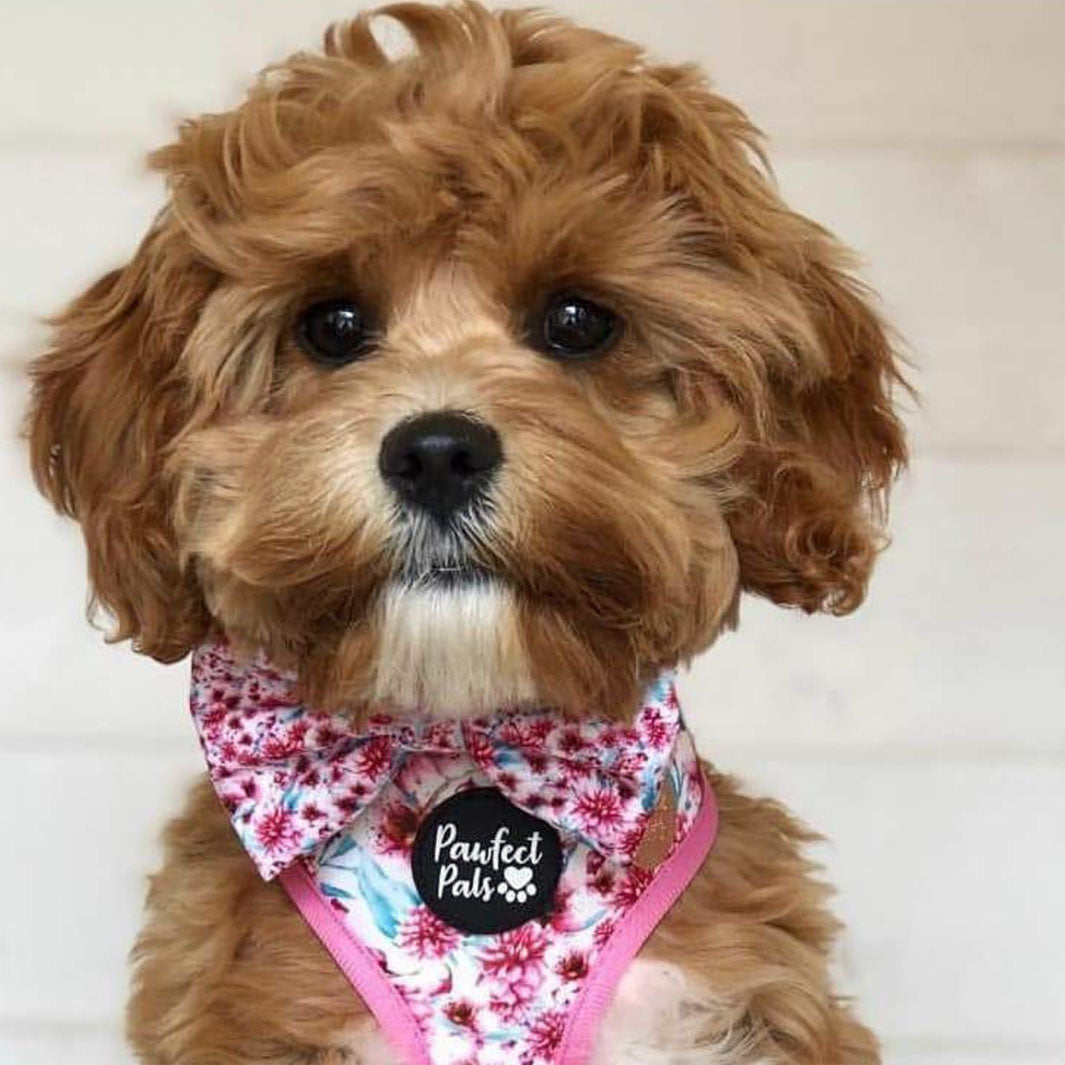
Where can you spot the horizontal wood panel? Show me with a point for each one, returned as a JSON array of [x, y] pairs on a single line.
[[957, 649], [86, 827], [808, 71], [950, 883], [58, 1044], [967, 251]]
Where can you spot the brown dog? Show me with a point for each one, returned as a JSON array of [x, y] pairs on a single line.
[[528, 226]]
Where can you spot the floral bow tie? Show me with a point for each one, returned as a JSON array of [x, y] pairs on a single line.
[[292, 778]]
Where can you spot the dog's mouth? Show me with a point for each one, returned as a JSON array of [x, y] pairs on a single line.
[[445, 575], [429, 555]]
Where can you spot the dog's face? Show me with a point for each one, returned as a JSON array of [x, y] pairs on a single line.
[[488, 374]]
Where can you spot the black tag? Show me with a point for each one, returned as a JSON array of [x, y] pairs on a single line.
[[484, 866]]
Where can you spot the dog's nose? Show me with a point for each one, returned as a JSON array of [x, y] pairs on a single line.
[[441, 461]]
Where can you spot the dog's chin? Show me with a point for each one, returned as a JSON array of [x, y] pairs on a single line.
[[450, 644]]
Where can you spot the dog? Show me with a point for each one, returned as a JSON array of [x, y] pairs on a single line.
[[485, 374]]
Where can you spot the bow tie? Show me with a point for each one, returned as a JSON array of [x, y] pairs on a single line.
[[292, 778]]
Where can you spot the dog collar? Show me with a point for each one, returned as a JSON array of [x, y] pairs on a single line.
[[483, 885], [292, 778]]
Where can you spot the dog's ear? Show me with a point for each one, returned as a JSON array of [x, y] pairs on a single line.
[[107, 400], [808, 522], [816, 391]]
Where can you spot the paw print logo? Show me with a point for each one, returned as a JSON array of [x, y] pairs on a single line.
[[517, 885]]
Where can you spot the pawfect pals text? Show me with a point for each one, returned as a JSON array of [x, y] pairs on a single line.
[[483, 870]]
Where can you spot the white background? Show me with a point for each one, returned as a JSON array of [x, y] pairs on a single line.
[[925, 736]]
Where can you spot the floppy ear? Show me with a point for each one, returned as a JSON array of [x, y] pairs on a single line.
[[808, 523], [824, 440], [107, 400]]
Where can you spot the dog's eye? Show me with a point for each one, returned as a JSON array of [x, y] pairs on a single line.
[[333, 332], [577, 328]]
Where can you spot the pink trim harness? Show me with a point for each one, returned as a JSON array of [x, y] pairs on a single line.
[[336, 815]]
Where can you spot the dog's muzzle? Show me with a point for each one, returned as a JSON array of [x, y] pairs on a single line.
[[440, 463]]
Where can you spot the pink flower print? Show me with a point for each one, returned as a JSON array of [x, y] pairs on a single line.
[[563, 918], [512, 1004], [213, 718], [573, 967], [398, 827], [508, 782], [545, 1034], [480, 749], [311, 813], [656, 731], [447, 982], [537, 763], [570, 741], [326, 736], [601, 936], [603, 882], [374, 757], [598, 810], [573, 772], [516, 959], [277, 748], [426, 936], [632, 886], [275, 831], [539, 730], [461, 1013], [631, 840], [511, 734], [442, 736], [348, 805], [630, 764]]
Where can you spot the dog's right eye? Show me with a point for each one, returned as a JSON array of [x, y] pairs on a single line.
[[333, 332], [573, 328]]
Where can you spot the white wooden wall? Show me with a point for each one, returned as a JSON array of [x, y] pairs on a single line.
[[925, 735]]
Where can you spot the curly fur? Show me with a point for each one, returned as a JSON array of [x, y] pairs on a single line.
[[741, 437]]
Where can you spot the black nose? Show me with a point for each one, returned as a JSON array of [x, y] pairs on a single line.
[[440, 462]]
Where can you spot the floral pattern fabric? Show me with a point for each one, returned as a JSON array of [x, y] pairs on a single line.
[[303, 788], [292, 778]]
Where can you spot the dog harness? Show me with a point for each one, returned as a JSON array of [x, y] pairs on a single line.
[[483, 883]]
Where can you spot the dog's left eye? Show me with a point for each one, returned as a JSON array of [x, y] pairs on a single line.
[[333, 332], [573, 327]]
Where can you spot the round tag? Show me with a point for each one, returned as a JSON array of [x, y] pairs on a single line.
[[484, 866]]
